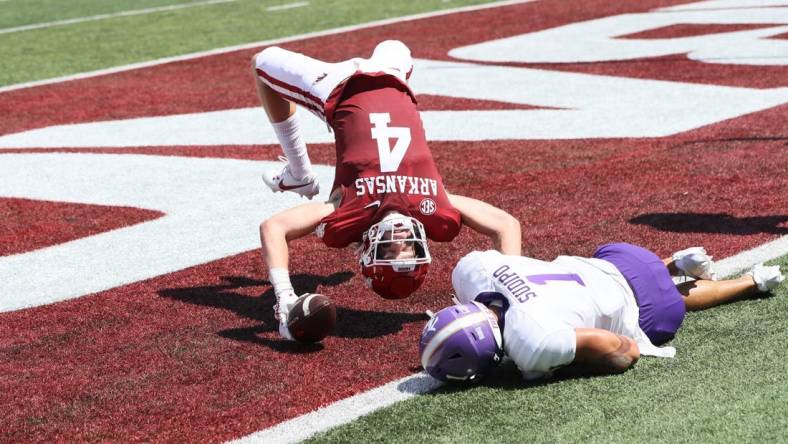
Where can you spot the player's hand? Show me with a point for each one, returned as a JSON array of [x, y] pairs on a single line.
[[282, 312], [284, 332]]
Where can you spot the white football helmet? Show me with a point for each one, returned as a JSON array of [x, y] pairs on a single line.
[[394, 256]]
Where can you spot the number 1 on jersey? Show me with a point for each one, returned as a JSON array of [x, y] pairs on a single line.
[[541, 279], [390, 158]]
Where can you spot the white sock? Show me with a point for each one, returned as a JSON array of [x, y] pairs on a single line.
[[289, 134], [280, 279]]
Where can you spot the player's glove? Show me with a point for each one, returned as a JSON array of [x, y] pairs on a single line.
[[284, 302], [284, 332]]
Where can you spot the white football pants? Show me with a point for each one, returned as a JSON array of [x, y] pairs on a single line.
[[309, 82]]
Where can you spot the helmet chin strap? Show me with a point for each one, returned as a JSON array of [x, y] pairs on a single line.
[[492, 318], [403, 266]]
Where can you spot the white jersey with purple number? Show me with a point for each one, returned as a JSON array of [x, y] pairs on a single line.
[[548, 301]]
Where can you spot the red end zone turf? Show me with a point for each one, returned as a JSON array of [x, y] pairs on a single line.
[[31, 224], [194, 355]]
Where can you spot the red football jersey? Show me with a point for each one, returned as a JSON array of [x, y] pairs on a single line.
[[383, 163]]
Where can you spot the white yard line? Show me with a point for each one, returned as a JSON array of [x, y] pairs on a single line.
[[261, 43], [350, 409], [746, 259], [344, 411], [287, 6], [112, 15]]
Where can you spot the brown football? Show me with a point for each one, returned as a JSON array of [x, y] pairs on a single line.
[[312, 318]]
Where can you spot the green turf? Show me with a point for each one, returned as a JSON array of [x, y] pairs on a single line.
[[15, 13], [52, 52], [728, 383]]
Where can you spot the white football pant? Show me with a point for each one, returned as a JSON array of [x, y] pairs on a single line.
[[309, 82]]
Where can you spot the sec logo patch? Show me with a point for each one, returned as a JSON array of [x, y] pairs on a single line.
[[427, 206]]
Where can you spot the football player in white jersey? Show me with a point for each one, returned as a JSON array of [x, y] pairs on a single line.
[[591, 315]]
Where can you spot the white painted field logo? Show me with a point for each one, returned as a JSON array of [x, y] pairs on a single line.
[[427, 207], [573, 106]]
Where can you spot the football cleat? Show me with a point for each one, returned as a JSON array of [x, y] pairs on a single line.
[[695, 262], [283, 180], [766, 277]]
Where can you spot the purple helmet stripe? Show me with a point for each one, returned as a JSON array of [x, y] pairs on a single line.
[[461, 342], [447, 331]]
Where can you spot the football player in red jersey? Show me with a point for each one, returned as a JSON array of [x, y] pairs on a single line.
[[388, 197]]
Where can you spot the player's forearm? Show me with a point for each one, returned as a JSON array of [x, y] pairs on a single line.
[[508, 239], [504, 230], [274, 243], [619, 360], [286, 226], [493, 222], [603, 352]]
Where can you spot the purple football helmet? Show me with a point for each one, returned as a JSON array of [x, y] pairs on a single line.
[[461, 343]]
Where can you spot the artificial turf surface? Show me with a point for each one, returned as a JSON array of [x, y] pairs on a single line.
[[62, 50], [727, 384]]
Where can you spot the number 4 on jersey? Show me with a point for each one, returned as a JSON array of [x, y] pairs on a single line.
[[390, 158]]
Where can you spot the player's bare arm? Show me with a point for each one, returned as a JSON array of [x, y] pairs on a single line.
[[602, 352], [490, 221], [290, 224]]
